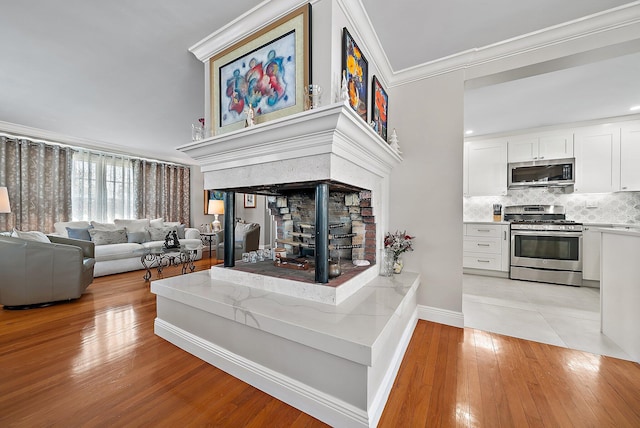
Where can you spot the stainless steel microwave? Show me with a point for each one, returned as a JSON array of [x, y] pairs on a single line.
[[542, 173]]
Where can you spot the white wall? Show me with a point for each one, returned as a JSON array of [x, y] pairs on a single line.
[[426, 190]]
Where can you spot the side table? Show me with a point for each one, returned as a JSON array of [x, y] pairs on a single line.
[[209, 237]]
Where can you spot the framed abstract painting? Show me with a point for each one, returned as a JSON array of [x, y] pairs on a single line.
[[356, 70], [267, 71], [379, 108]]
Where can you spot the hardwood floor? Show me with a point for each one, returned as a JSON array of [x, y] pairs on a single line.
[[96, 362]]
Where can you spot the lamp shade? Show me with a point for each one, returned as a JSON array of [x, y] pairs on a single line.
[[216, 206], [5, 207]]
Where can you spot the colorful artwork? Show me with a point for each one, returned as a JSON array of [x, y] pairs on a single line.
[[379, 108], [356, 67], [264, 78]]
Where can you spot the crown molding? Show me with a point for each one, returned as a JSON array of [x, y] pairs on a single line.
[[252, 21], [617, 18], [36, 134], [368, 41]]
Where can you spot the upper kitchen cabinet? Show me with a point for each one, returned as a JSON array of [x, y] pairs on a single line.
[[597, 153], [630, 157], [540, 146], [486, 168]]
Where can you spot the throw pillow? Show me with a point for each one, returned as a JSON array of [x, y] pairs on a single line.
[[156, 222], [132, 225], [79, 233], [242, 229], [179, 227], [159, 233], [31, 236], [106, 237], [61, 226], [103, 226], [137, 237]]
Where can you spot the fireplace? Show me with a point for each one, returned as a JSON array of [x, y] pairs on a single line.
[[328, 155]]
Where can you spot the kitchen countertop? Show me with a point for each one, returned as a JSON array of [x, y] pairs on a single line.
[[625, 231]]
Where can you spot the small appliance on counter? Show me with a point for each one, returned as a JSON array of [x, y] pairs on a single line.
[[497, 212]]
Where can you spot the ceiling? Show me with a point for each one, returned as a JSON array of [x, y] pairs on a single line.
[[119, 74]]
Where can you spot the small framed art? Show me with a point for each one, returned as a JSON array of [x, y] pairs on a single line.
[[249, 200], [379, 108], [356, 70]]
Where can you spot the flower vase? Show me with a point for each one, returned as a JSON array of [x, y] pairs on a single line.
[[398, 264]]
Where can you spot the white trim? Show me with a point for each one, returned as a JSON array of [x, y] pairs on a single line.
[[13, 130], [441, 316], [250, 22], [382, 395], [368, 41], [316, 403], [568, 32]]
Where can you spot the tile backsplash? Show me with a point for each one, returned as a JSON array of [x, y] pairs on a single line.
[[613, 208]]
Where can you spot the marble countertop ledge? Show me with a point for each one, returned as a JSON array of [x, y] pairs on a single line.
[[349, 330]]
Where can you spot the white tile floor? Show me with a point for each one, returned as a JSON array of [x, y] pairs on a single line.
[[548, 313]]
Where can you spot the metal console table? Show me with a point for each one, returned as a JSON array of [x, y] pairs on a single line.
[[161, 257]]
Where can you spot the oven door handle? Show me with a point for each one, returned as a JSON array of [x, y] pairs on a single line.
[[546, 233]]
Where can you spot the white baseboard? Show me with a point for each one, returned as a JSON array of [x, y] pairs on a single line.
[[441, 316], [316, 403]]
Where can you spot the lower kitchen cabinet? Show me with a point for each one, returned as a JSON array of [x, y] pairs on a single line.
[[486, 246], [591, 254]]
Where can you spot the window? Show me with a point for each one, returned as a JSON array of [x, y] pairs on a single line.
[[102, 187]]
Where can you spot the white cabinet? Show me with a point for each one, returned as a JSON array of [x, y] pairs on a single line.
[[540, 146], [591, 254], [596, 151], [630, 157], [486, 168], [486, 246]]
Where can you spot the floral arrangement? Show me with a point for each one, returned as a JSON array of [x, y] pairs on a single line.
[[398, 242]]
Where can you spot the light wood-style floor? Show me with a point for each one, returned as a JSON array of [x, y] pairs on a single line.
[[96, 362]]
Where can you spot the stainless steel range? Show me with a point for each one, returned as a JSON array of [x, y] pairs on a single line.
[[545, 246]]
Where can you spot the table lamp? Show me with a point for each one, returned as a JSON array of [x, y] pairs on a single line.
[[216, 207], [5, 207]]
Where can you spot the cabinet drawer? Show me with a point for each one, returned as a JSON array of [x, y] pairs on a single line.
[[479, 245], [482, 261], [484, 230]]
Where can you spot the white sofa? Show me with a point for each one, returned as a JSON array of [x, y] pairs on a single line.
[[120, 245]]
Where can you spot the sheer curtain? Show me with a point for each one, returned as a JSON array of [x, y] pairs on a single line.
[[38, 178], [103, 186]]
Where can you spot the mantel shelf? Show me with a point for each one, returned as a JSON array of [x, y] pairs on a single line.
[[331, 130]]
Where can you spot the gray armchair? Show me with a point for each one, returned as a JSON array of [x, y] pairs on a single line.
[[247, 239], [37, 273]]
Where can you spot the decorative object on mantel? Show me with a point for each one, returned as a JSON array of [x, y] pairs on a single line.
[[379, 108], [197, 130], [262, 71], [393, 140], [398, 243], [344, 90], [313, 95], [249, 121], [356, 67]]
